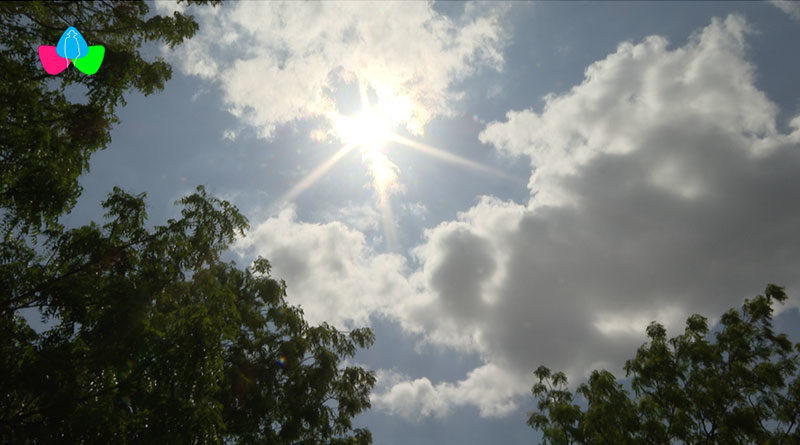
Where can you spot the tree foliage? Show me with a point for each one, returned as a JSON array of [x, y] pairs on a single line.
[[737, 386], [52, 125], [149, 336], [157, 340]]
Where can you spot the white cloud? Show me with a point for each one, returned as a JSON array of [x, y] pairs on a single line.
[[278, 62], [652, 181], [413, 399], [660, 188], [489, 388], [331, 272], [623, 96], [792, 8]]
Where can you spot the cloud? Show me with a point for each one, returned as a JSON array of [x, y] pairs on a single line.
[[168, 7], [792, 8], [363, 217], [330, 270], [627, 94], [489, 388], [279, 62], [660, 187], [417, 209], [229, 135]]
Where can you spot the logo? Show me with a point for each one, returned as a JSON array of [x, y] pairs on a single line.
[[71, 48]]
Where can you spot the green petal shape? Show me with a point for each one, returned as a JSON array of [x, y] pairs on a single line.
[[90, 63]]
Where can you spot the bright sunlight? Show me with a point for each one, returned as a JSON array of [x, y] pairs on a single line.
[[372, 131], [367, 130]]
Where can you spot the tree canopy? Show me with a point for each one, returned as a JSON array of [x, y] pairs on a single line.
[[737, 386], [149, 336], [159, 341], [52, 125]]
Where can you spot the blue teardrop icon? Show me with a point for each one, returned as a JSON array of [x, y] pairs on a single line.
[[72, 45]]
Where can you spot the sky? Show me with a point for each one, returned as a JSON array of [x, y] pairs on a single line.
[[490, 187]]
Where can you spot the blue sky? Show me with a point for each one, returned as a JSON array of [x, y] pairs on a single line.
[[597, 165]]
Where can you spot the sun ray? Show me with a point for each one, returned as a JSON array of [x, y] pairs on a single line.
[[363, 95], [388, 223], [449, 157], [372, 130], [312, 177], [384, 177]]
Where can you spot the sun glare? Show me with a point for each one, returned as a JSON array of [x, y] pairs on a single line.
[[383, 171], [367, 130], [372, 131]]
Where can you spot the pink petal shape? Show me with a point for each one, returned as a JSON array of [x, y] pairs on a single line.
[[51, 61]]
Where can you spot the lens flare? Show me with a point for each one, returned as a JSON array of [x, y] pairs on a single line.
[[384, 172], [384, 175], [372, 131], [367, 130]]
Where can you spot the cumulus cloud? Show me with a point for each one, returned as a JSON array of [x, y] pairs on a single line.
[[489, 388], [278, 62], [660, 187], [629, 93], [330, 270]]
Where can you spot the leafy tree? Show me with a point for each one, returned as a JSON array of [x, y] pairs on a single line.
[[151, 337], [741, 386], [158, 341], [51, 125]]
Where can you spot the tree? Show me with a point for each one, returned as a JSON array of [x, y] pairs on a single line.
[[738, 386], [151, 338], [158, 341], [52, 125]]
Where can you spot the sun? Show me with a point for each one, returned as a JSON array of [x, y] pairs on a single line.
[[373, 131], [368, 130]]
